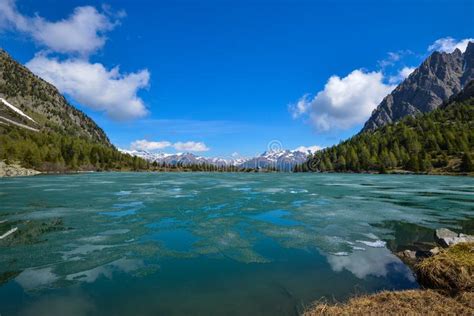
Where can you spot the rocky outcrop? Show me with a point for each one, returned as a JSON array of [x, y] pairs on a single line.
[[444, 237], [14, 170], [447, 238], [439, 77]]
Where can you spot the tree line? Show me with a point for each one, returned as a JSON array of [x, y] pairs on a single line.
[[49, 151]]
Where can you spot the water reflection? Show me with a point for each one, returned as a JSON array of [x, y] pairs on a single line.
[[374, 262]]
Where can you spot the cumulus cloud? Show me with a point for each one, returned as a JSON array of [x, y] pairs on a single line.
[[306, 149], [74, 39], [344, 102], [190, 146], [449, 44], [144, 144], [83, 32], [94, 86], [401, 75]]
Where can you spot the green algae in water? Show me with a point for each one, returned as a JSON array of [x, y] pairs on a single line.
[[181, 243]]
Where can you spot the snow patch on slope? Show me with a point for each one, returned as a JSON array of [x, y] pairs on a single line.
[[15, 109]]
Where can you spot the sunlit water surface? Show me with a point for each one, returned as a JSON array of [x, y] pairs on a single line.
[[214, 244]]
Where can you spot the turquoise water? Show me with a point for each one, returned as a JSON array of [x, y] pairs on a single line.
[[213, 244]]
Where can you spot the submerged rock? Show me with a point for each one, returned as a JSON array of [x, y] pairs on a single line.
[[447, 238]]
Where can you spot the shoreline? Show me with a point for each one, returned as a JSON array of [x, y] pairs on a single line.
[[445, 276], [15, 170]]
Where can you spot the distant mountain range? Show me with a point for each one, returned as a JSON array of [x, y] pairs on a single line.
[[283, 160], [439, 77]]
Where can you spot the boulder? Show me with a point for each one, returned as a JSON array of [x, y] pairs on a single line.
[[447, 238]]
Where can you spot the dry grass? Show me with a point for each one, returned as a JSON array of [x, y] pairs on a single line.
[[412, 302], [451, 271]]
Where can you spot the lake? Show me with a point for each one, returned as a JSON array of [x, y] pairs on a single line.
[[214, 244]]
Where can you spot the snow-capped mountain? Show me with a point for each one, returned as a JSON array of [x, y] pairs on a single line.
[[283, 160]]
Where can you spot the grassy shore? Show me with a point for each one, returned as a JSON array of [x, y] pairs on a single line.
[[447, 280]]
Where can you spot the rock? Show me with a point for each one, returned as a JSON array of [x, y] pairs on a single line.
[[14, 170], [447, 238], [409, 254], [434, 251], [409, 257], [439, 77], [466, 238]]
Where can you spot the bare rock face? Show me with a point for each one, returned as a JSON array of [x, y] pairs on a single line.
[[439, 77], [447, 238]]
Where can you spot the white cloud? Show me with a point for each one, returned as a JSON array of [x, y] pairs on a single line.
[[83, 32], [76, 37], [449, 44], [92, 85], [190, 146], [311, 149], [344, 102], [401, 75], [301, 107], [149, 145], [393, 58], [144, 144]]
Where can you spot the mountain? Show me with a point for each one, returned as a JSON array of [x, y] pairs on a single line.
[[39, 105], [465, 94], [283, 160], [40, 130], [441, 141], [439, 77], [184, 159]]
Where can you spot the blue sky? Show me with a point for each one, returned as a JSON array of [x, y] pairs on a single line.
[[223, 77]]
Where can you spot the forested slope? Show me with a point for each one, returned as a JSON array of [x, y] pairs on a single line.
[[439, 141]]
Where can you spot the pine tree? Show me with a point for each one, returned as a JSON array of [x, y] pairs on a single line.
[[466, 163]]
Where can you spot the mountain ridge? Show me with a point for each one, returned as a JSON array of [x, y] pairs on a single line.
[[43, 102], [439, 77], [283, 160]]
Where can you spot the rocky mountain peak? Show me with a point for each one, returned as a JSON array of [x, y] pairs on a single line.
[[439, 77]]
